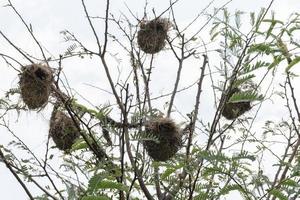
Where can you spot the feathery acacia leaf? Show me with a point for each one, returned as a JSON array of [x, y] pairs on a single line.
[[241, 81], [245, 97], [144, 136], [101, 197], [278, 194], [293, 63]]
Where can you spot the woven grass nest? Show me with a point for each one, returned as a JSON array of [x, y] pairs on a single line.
[[152, 35], [62, 130], [35, 84], [169, 137], [234, 110]]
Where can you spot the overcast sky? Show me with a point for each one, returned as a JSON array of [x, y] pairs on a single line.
[[49, 17]]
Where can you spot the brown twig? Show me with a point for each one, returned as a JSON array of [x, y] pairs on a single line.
[[17, 48]]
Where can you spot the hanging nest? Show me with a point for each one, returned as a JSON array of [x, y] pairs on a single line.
[[152, 35], [62, 130], [234, 110], [35, 84], [169, 137]]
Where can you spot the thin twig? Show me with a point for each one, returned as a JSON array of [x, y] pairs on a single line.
[[16, 175], [29, 29]]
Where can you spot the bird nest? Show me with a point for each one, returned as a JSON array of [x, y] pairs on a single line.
[[234, 110], [169, 138], [63, 130], [152, 35], [35, 84]]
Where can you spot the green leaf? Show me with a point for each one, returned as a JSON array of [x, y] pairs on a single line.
[[294, 62], [201, 196], [252, 18], [171, 170], [212, 171], [214, 32], [245, 97], [291, 30], [71, 192], [276, 61], [95, 180], [278, 194], [238, 18], [167, 173], [105, 184], [212, 156], [272, 25], [273, 20], [259, 18], [78, 106], [270, 29], [290, 182], [225, 190], [261, 48], [242, 80], [251, 67], [79, 144], [243, 155], [95, 198], [213, 37], [143, 136]]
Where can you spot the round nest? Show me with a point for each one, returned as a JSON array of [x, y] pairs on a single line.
[[63, 130], [169, 137], [234, 110], [35, 84], [152, 35]]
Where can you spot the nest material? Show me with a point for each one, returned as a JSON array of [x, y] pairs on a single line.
[[35, 84], [63, 130], [234, 110], [152, 35], [169, 137]]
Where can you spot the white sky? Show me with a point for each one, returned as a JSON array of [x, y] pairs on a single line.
[[49, 17]]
